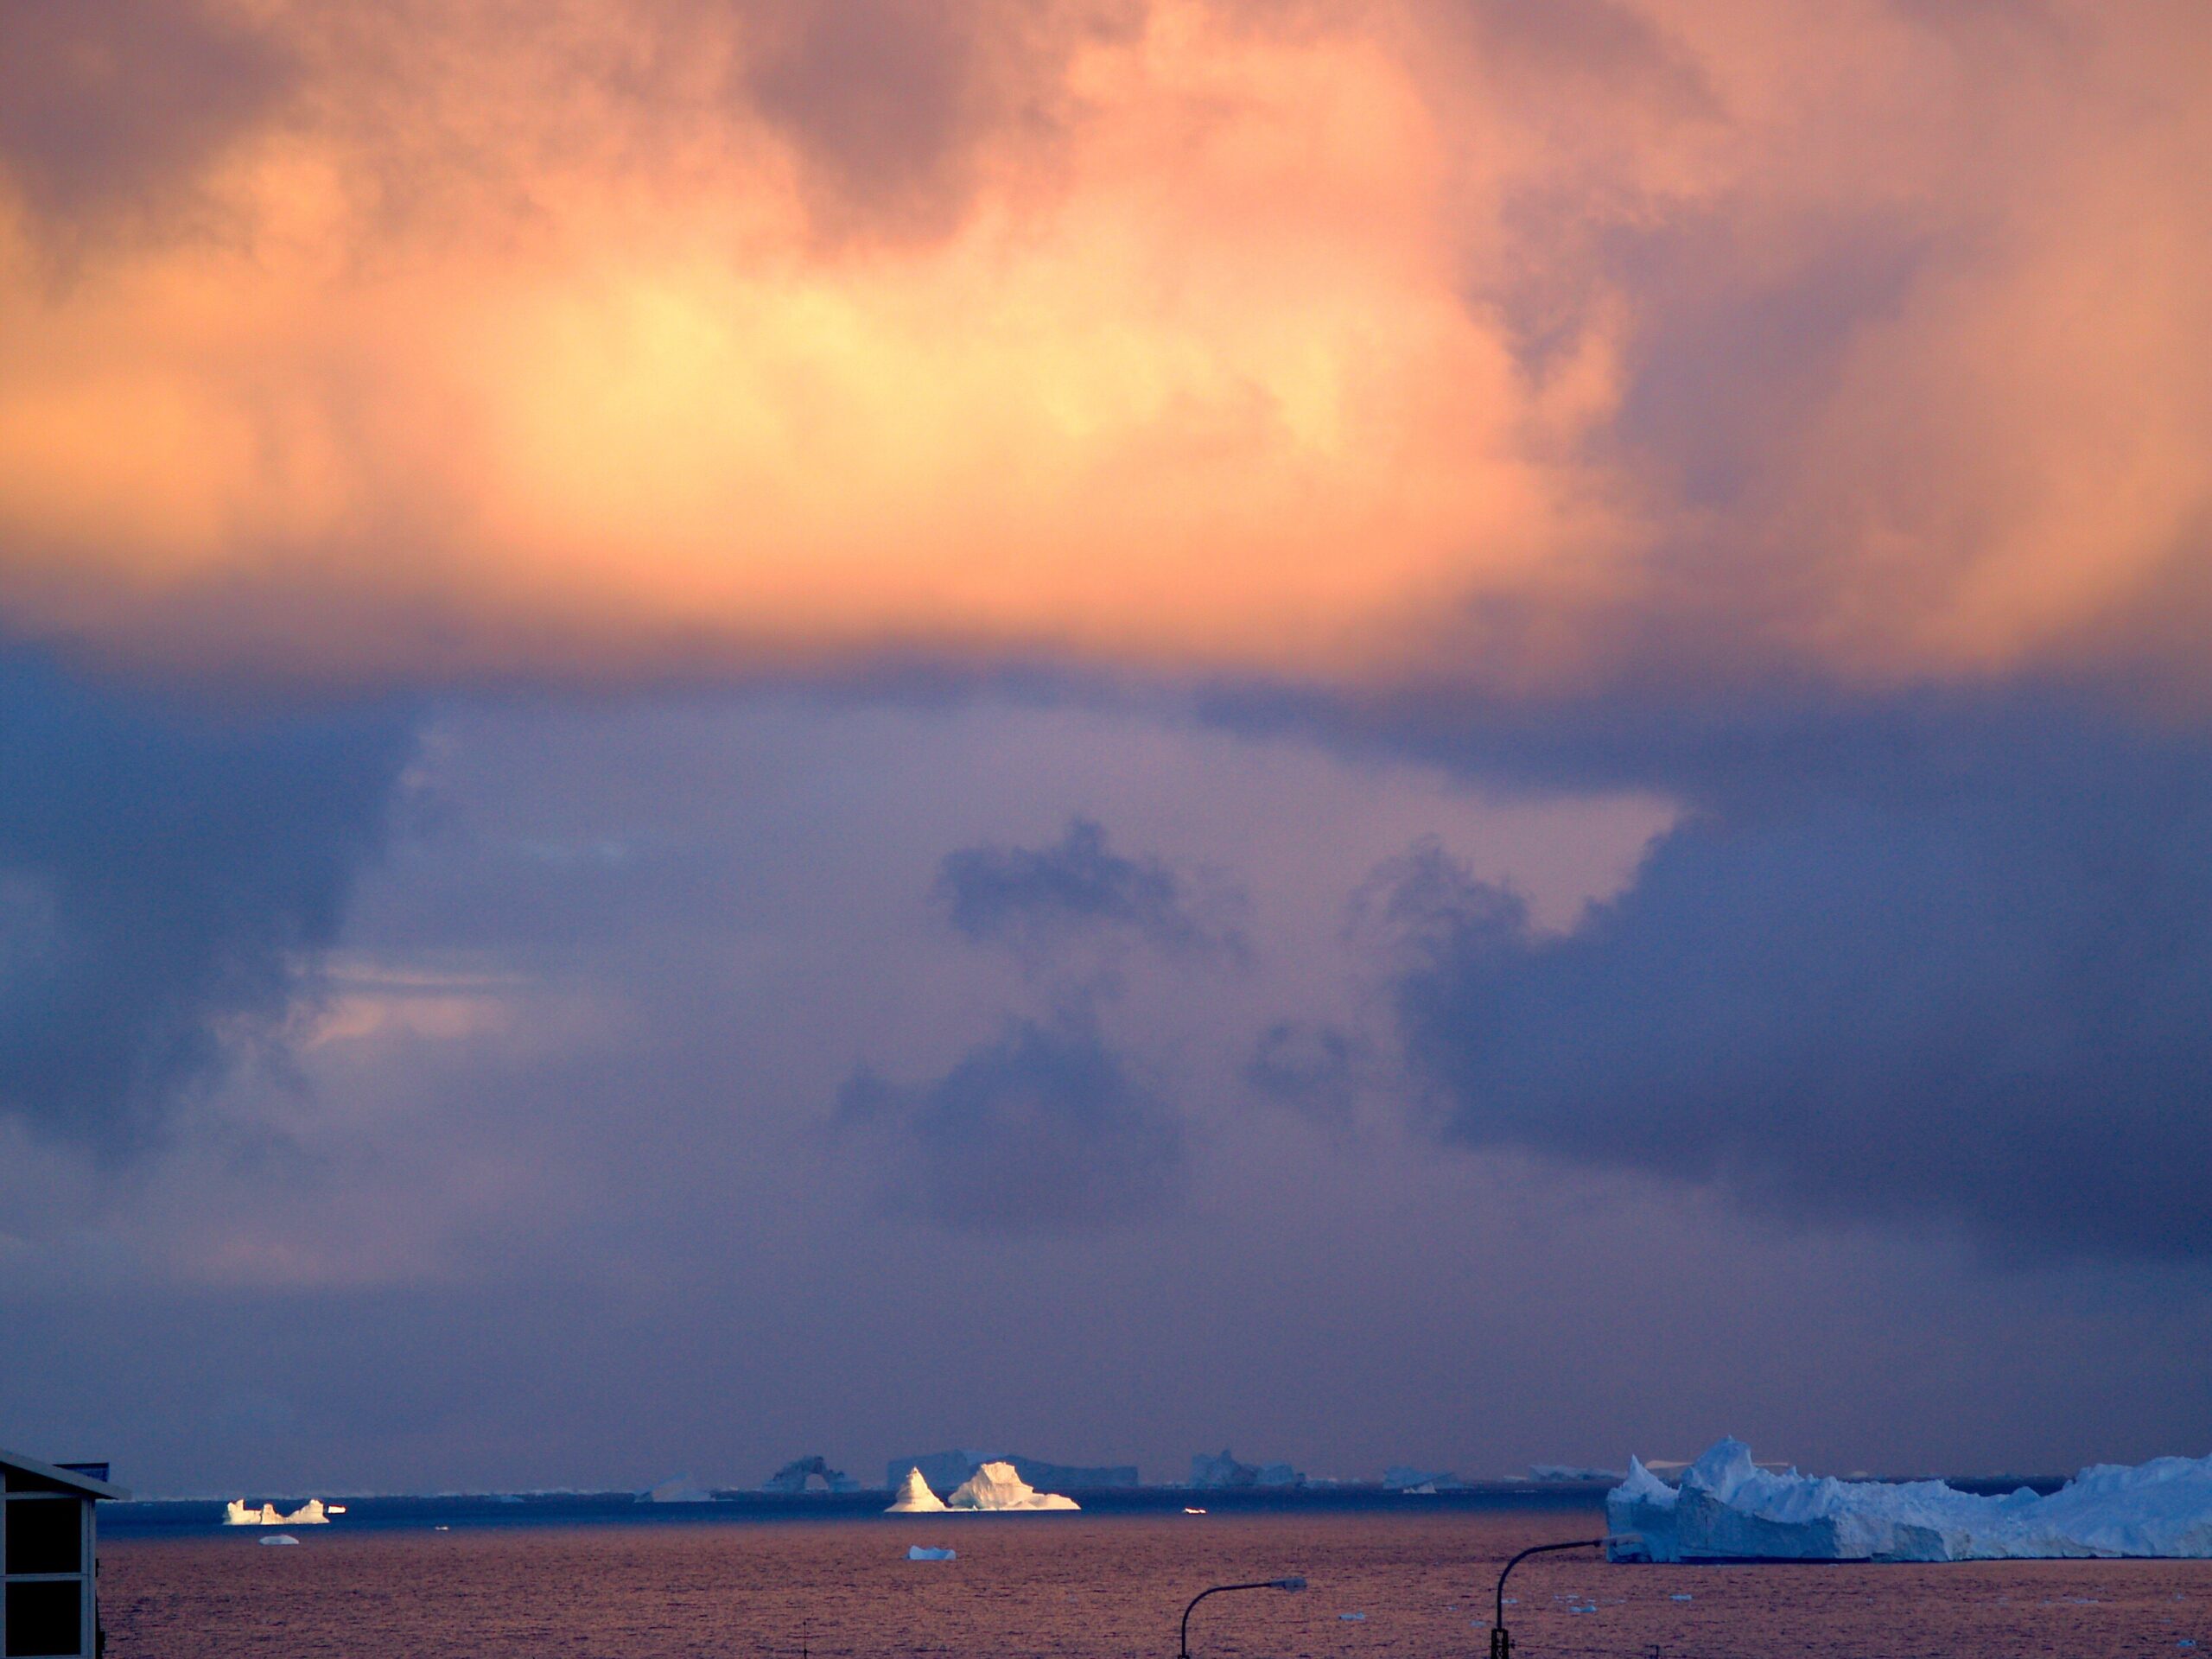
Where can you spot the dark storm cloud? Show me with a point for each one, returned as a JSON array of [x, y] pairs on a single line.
[[1038, 901], [166, 876], [1043, 1128], [1936, 960], [111, 105]]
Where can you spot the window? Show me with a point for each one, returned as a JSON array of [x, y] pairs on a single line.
[[47, 1581], [45, 1534], [45, 1619]]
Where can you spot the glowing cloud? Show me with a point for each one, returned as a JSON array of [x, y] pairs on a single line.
[[1492, 342]]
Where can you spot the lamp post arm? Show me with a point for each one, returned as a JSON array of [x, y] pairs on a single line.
[[1184, 1643], [1498, 1621]]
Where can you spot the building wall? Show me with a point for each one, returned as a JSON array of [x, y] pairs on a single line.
[[49, 1585]]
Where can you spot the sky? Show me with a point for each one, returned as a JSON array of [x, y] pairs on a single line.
[[1433, 731]]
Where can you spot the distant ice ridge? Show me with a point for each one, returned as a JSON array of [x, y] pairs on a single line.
[[1571, 1471], [1727, 1508], [310, 1514], [676, 1488], [1223, 1473], [915, 1496], [996, 1486]]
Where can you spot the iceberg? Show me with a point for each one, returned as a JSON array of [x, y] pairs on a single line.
[[997, 1486], [924, 1553], [946, 1469], [1223, 1473], [800, 1473], [1404, 1477], [237, 1513], [1729, 1508], [915, 1498], [278, 1538], [1563, 1472]]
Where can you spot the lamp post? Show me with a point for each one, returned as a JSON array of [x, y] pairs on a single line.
[[1183, 1650], [1501, 1644]]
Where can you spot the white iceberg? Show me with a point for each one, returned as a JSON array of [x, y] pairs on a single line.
[[1729, 1508], [676, 1488], [278, 1538], [924, 1553], [915, 1498], [996, 1486], [237, 1513]]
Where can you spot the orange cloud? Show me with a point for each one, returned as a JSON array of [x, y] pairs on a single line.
[[1304, 340]]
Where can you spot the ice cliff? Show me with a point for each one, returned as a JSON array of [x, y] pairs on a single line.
[[996, 1486], [915, 1496], [1727, 1508]]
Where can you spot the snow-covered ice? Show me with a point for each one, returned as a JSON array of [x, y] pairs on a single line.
[[996, 1486], [915, 1498], [1727, 1508]]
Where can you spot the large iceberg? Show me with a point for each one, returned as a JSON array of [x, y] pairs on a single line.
[[1729, 1508], [310, 1514], [915, 1498], [997, 1486]]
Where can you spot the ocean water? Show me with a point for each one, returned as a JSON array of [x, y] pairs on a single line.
[[1111, 1586]]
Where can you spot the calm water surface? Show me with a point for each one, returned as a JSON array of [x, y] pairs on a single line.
[[1106, 1587]]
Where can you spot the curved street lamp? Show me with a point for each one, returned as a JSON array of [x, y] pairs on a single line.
[[1184, 1649], [1501, 1644]]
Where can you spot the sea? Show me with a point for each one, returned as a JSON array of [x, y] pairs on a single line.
[[408, 1578]]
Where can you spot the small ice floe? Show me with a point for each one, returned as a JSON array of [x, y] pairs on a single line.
[[333, 1509], [1353, 1618], [928, 1552], [442, 1527], [1679, 1595], [278, 1538], [1187, 1510]]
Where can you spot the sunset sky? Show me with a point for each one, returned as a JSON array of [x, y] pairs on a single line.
[[1437, 731]]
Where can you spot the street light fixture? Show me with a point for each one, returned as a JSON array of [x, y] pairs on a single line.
[[1184, 1649], [1501, 1644]]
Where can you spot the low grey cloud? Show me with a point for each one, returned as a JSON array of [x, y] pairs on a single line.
[[1945, 964], [1039, 901], [167, 876], [1043, 1128]]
